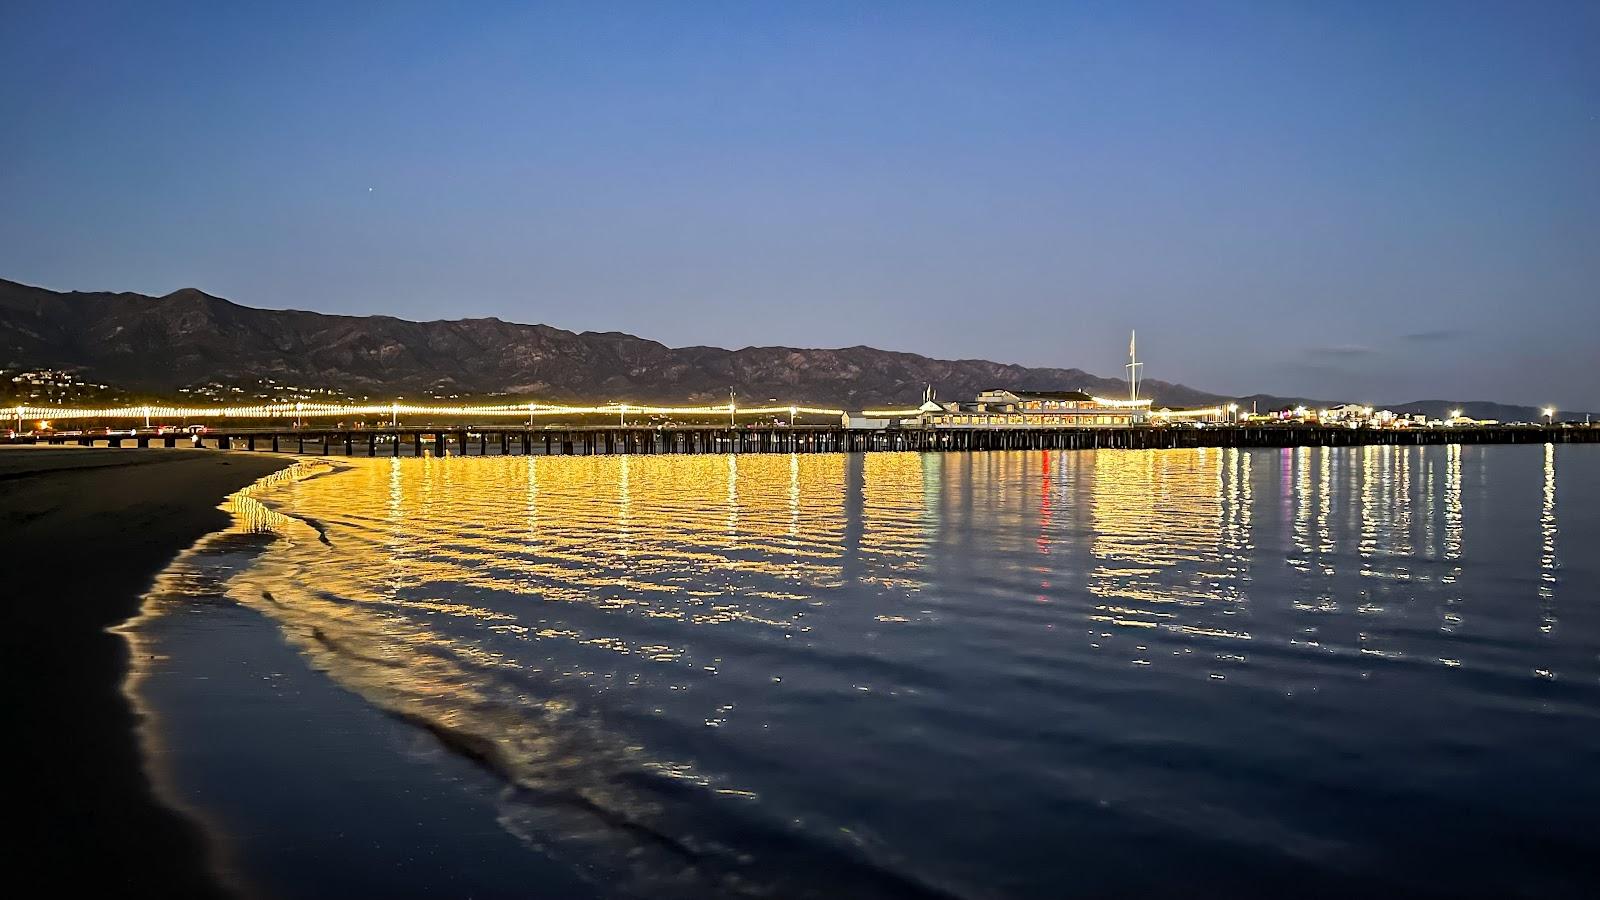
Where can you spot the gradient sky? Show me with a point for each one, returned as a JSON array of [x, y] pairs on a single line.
[[1379, 201]]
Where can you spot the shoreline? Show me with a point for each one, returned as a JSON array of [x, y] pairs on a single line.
[[85, 533]]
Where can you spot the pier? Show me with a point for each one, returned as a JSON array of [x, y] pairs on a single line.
[[499, 440]]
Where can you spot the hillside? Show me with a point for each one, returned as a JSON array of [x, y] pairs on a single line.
[[155, 345], [158, 344]]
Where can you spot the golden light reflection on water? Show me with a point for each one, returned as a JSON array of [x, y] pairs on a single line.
[[896, 519], [698, 542], [1171, 532], [493, 600], [1547, 542], [754, 540]]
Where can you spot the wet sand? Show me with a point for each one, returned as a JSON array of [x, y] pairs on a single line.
[[83, 532]]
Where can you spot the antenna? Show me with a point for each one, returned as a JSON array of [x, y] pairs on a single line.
[[1133, 367]]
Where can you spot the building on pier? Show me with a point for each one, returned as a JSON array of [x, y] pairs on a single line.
[[1166, 415], [1006, 408]]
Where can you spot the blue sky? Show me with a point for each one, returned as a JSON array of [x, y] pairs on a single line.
[[1373, 201]]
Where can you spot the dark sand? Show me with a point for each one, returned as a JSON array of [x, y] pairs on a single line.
[[82, 535]]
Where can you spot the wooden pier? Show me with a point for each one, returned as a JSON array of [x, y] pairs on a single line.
[[601, 441]]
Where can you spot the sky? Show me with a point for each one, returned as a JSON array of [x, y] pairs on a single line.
[[1371, 201]]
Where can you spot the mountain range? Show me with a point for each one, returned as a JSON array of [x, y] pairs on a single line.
[[154, 346]]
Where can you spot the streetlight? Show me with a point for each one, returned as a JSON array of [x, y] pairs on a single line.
[[1549, 415], [1233, 412]]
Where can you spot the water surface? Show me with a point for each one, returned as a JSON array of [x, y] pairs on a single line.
[[1326, 671]]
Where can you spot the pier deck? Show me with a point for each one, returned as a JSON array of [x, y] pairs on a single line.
[[455, 440]]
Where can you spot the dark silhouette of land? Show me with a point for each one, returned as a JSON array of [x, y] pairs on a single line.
[[152, 346], [84, 533], [188, 337]]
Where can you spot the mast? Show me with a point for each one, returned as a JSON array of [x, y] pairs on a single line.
[[1133, 367]]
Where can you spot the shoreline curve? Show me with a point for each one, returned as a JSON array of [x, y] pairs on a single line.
[[85, 532]]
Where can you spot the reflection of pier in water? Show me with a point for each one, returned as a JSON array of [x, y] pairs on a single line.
[[1171, 545], [582, 617], [1548, 563], [1159, 540], [1375, 536]]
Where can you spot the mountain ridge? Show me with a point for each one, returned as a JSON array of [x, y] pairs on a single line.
[[156, 345]]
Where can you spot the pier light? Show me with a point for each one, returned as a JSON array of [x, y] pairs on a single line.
[[1549, 415]]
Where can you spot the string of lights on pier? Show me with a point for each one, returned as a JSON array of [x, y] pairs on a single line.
[[304, 410]]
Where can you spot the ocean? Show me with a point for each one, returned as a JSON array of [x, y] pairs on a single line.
[[1365, 671]]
